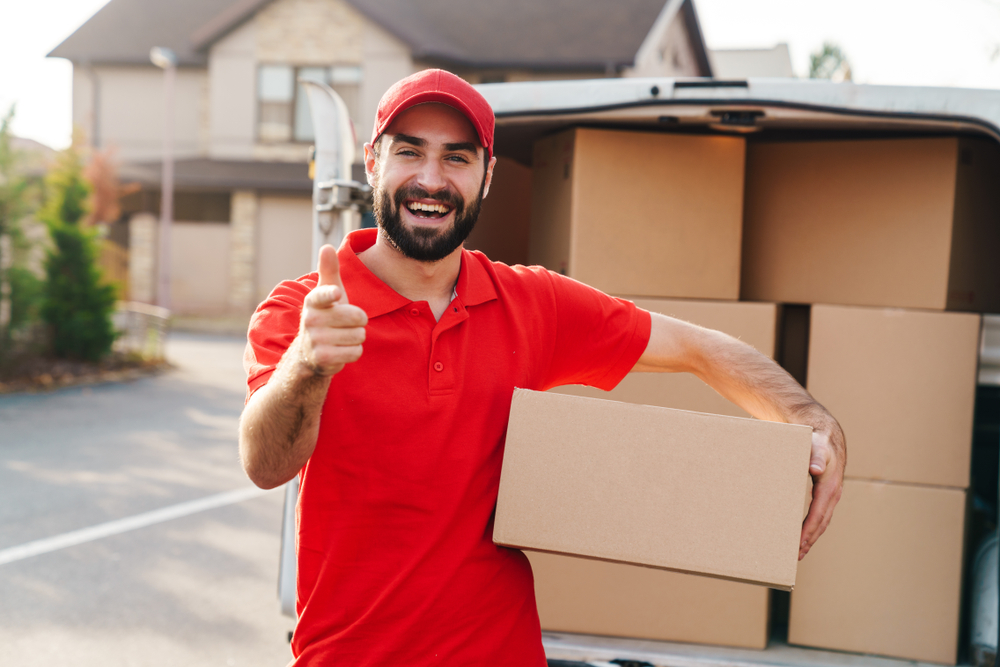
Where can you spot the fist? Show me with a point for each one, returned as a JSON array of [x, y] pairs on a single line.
[[331, 330]]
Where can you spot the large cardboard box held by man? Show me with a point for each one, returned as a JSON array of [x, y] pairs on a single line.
[[902, 384], [596, 597], [886, 577], [907, 223], [640, 213], [691, 492]]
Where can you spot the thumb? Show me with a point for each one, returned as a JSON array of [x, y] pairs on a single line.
[[329, 270], [817, 463]]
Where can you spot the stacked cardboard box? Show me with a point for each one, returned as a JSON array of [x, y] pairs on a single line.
[[886, 578], [640, 213], [654, 215], [904, 224], [875, 226]]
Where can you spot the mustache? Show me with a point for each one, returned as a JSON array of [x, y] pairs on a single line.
[[417, 192]]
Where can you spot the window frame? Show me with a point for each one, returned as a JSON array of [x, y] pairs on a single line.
[[293, 103]]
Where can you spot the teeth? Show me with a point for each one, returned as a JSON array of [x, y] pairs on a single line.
[[431, 208]]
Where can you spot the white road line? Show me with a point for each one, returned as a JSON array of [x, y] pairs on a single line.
[[117, 526]]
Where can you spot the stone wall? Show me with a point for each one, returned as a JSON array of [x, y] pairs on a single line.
[[142, 228], [309, 32], [242, 251]]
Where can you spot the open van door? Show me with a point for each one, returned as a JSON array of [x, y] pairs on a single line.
[[337, 205]]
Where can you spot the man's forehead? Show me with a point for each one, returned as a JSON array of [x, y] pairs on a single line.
[[435, 123]]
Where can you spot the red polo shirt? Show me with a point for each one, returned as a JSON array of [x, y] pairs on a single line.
[[396, 563]]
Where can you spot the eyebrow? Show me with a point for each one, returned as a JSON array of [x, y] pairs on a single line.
[[464, 146], [407, 139]]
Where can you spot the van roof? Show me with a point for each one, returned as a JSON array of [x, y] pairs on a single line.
[[527, 110]]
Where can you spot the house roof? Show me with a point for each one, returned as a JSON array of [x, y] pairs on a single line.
[[533, 34], [123, 31], [511, 33]]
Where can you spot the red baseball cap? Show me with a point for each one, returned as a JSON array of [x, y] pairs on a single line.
[[437, 85]]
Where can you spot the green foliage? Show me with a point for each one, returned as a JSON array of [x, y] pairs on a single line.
[[18, 294], [27, 291], [829, 63], [13, 187], [77, 306]]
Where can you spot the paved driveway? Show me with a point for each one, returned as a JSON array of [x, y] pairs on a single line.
[[129, 535]]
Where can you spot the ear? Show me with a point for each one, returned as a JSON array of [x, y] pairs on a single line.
[[370, 158], [489, 176]]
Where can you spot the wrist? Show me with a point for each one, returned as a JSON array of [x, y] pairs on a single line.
[[298, 367]]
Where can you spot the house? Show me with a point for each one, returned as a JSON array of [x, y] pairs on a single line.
[[242, 128], [775, 62]]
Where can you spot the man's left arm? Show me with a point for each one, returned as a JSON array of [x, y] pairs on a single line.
[[765, 390]]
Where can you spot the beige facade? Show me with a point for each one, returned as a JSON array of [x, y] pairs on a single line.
[[284, 241], [232, 85], [200, 265], [199, 268], [123, 107]]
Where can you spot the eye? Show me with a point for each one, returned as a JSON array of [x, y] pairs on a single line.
[[461, 159]]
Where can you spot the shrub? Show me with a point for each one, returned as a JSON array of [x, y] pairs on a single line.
[[77, 307]]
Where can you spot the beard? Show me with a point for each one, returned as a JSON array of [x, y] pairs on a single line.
[[425, 244]]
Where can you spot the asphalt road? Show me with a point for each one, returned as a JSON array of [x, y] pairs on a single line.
[[199, 589]]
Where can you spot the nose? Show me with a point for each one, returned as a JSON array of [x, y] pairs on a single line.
[[431, 176]]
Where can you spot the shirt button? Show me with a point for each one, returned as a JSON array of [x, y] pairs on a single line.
[[414, 311], [438, 366]]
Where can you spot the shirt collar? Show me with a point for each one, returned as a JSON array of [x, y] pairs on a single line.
[[376, 298]]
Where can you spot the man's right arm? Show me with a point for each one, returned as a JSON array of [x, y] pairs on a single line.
[[280, 423]]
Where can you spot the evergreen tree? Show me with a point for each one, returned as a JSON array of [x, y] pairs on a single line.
[[77, 306], [18, 287]]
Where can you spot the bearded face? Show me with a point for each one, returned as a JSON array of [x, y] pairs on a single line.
[[425, 244]]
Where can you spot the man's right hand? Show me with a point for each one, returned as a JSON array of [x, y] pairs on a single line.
[[280, 423], [331, 330]]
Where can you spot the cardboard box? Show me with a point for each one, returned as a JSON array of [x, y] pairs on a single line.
[[685, 491], [902, 384], [908, 223], [596, 597], [501, 232], [886, 576], [600, 598], [753, 323], [639, 213]]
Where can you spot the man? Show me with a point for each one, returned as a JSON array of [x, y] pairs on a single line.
[[399, 449]]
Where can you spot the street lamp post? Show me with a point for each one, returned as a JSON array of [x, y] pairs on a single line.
[[166, 59]]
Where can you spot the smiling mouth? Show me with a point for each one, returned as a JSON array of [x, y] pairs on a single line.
[[428, 211]]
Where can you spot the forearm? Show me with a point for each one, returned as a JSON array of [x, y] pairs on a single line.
[[737, 371], [752, 380], [280, 423]]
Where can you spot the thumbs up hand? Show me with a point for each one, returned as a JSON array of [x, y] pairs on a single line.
[[331, 329]]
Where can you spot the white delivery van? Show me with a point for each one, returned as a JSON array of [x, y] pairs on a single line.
[[853, 231]]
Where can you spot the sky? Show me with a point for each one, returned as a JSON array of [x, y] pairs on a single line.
[[903, 42]]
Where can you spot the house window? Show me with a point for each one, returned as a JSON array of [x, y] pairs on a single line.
[[283, 106]]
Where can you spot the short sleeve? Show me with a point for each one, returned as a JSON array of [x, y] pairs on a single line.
[[599, 338], [273, 327]]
